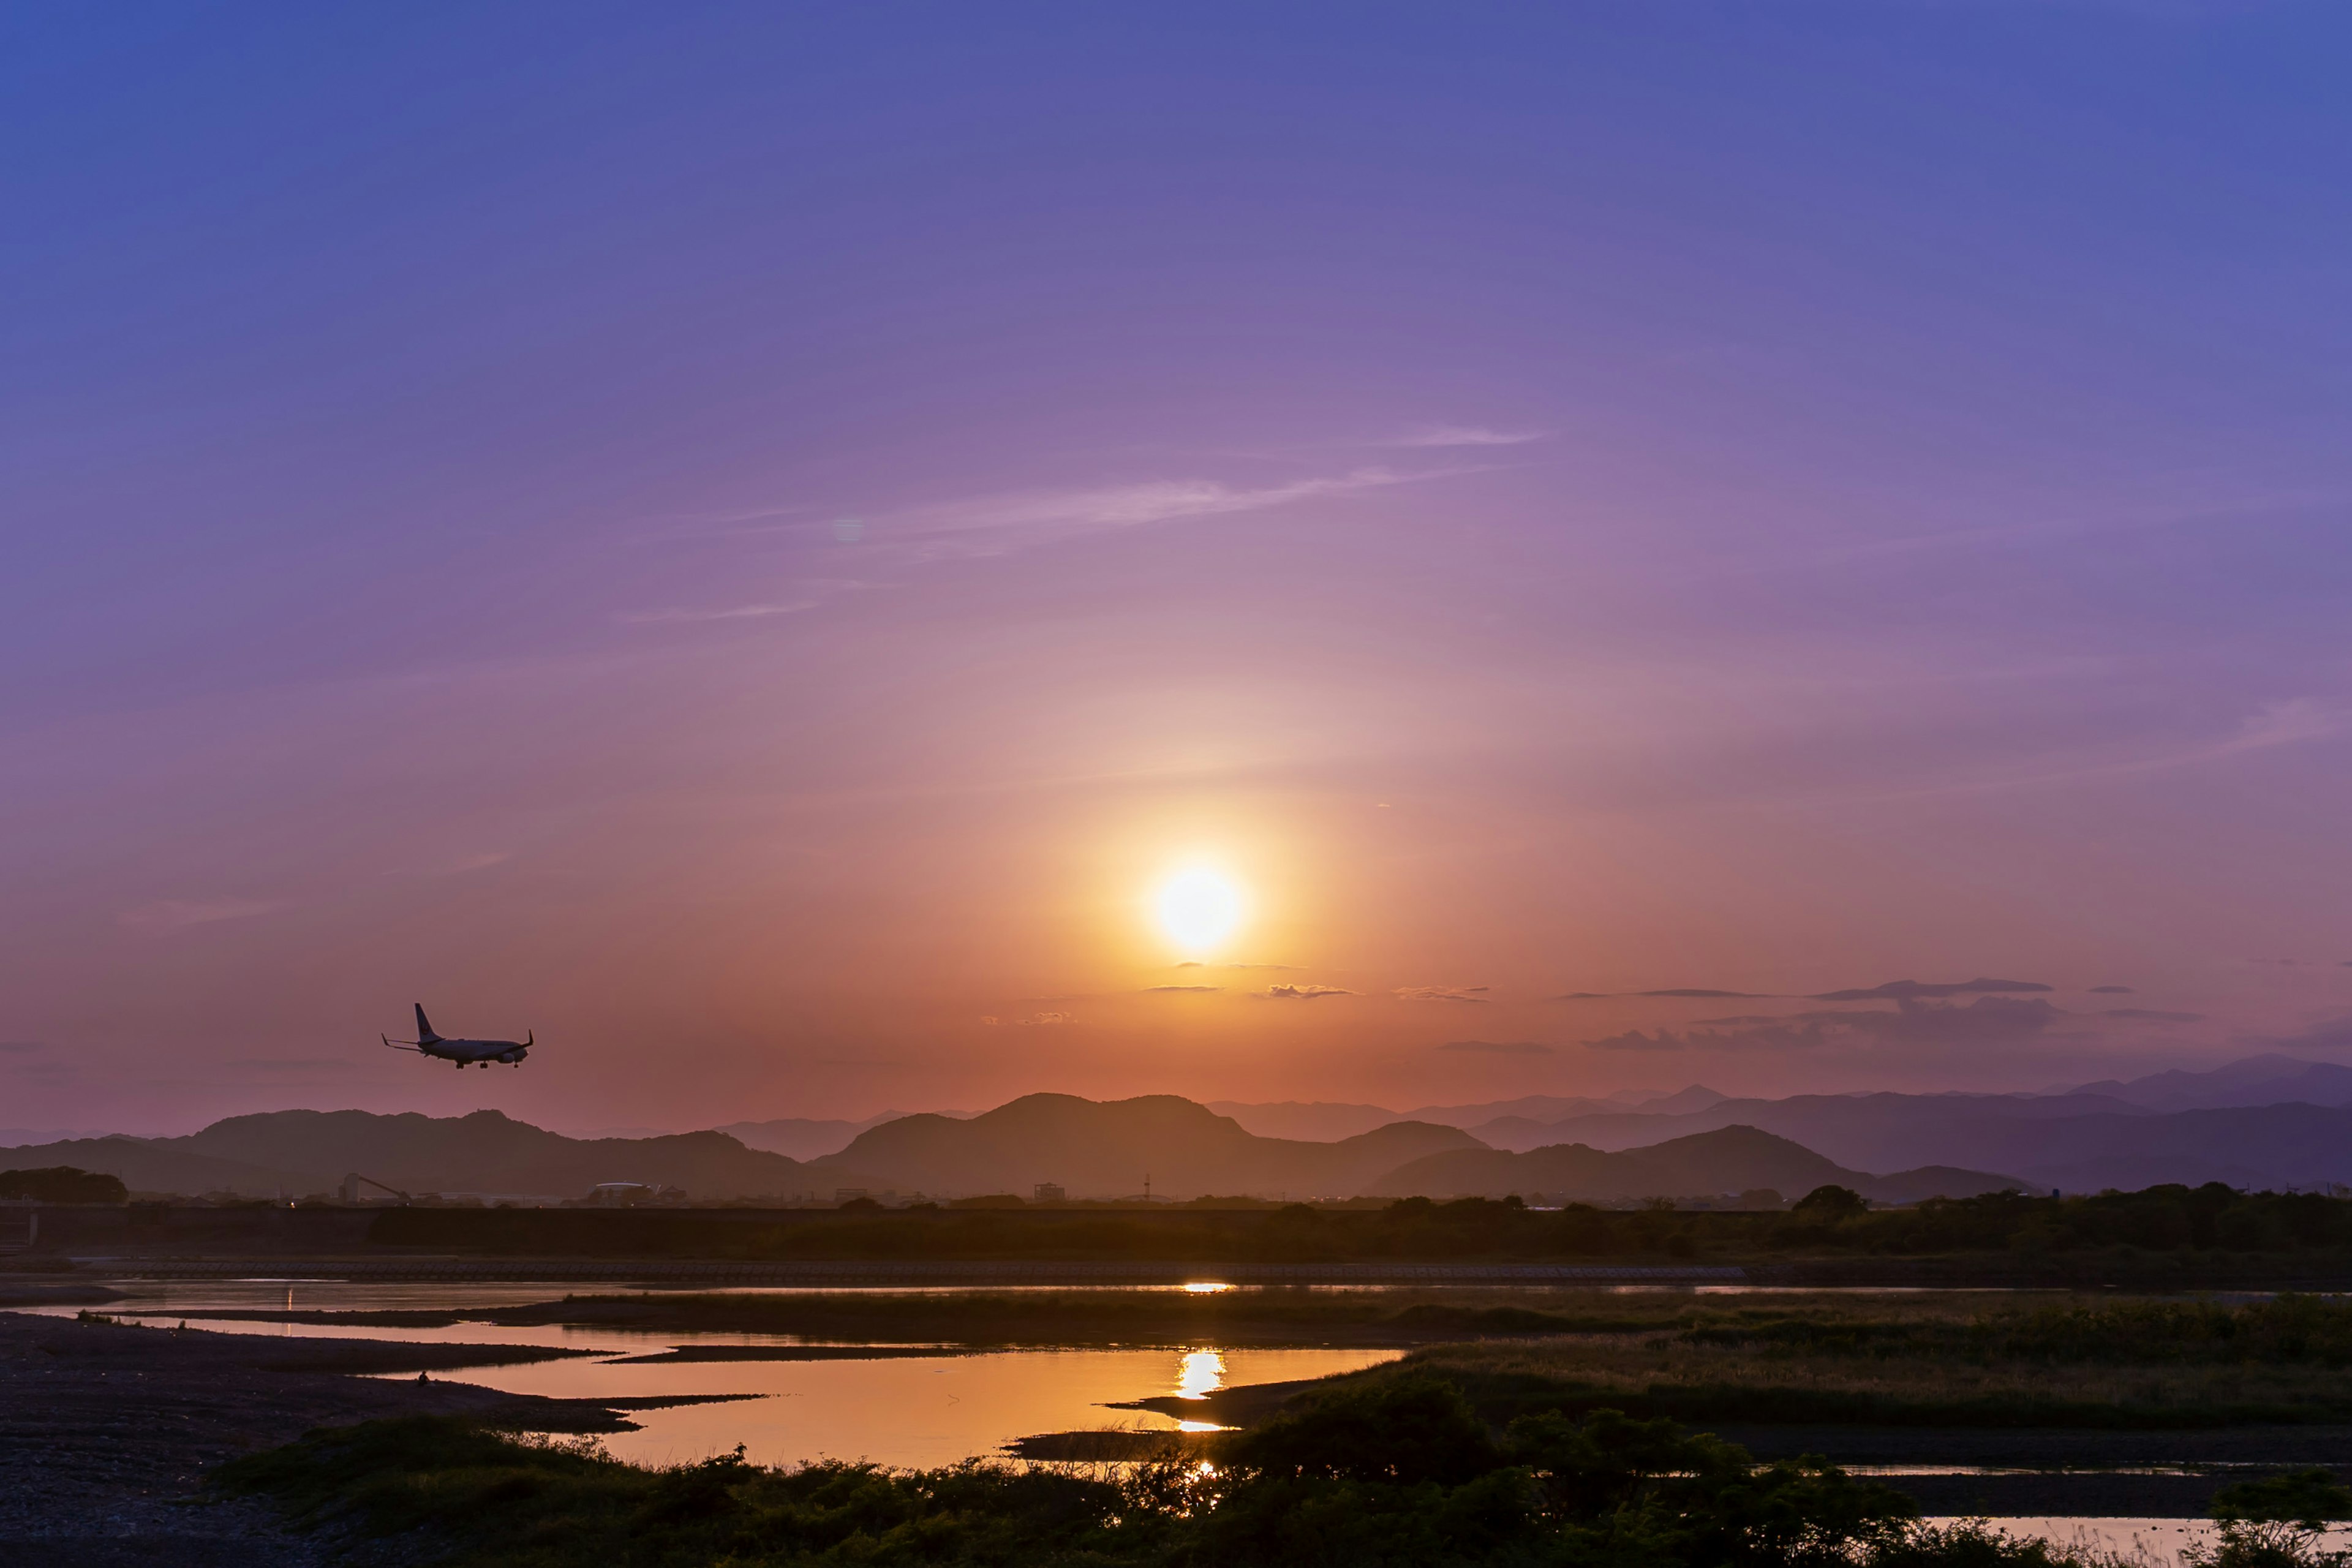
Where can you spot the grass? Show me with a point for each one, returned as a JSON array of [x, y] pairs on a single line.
[[1403, 1474], [2077, 1362]]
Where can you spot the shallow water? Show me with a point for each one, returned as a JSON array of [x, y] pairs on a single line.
[[926, 1411], [910, 1411], [2155, 1541]]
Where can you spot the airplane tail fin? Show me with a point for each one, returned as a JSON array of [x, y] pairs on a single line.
[[425, 1034]]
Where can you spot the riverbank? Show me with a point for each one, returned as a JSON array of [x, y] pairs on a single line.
[[106, 1432]]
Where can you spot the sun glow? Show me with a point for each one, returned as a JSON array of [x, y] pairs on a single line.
[[1198, 910]]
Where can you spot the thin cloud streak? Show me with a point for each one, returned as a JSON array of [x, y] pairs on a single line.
[[736, 613], [1125, 506], [1466, 436], [1440, 993], [176, 914], [2281, 723]]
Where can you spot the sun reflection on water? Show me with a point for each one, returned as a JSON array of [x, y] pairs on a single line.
[[1202, 1374]]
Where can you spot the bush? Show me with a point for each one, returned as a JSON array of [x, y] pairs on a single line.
[[1828, 1205], [63, 1184]]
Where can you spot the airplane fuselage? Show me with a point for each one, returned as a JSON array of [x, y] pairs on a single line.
[[471, 1052], [465, 1053]]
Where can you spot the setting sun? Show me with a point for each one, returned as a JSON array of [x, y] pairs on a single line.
[[1198, 910]]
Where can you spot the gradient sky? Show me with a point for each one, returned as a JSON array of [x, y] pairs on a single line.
[[747, 539]]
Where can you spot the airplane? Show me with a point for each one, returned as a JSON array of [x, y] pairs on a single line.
[[465, 1053]]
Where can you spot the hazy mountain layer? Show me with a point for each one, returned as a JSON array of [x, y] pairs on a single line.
[[2075, 1142], [1938, 1142], [1307, 1120], [800, 1138], [1704, 1165], [2270, 1080], [1321, 1120]]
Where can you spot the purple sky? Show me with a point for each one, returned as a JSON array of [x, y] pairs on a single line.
[[748, 540]]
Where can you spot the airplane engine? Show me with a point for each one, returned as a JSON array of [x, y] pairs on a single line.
[[509, 1057]]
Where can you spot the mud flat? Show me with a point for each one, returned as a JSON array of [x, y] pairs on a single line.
[[106, 1431]]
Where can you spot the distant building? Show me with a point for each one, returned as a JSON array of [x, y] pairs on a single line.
[[631, 1195], [1047, 1193]]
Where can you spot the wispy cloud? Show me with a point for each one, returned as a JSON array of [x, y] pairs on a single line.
[[1897, 990], [1304, 993], [1035, 1020], [1499, 1047], [1989, 1020], [2286, 722], [1016, 517], [1440, 993], [732, 613], [1770, 1037], [1465, 436], [175, 914], [1151, 988], [1686, 992], [456, 866]]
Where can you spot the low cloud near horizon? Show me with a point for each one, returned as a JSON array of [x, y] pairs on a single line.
[[1440, 993], [1989, 1019], [1304, 993], [175, 914], [1499, 1047]]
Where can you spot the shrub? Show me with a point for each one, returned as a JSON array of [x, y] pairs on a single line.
[[63, 1184]]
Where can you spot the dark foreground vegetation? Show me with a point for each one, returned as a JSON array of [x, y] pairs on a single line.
[[1400, 1472], [2210, 1229], [62, 1185], [1976, 1362]]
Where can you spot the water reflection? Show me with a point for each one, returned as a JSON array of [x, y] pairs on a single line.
[[2137, 1543], [1202, 1374], [905, 1412]]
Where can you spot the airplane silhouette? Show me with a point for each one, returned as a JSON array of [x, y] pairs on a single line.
[[465, 1053]]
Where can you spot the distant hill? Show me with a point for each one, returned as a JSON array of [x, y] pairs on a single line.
[[1309, 1121], [158, 1165], [798, 1138], [2269, 1079], [1862, 1130], [300, 1152], [1545, 1109], [1106, 1149], [2075, 1142], [1725, 1160]]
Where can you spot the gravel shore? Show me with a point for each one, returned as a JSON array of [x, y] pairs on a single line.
[[106, 1431]]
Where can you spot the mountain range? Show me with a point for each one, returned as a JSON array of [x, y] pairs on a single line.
[[1112, 1149], [1730, 1160], [2267, 1121], [1169, 1147], [294, 1153]]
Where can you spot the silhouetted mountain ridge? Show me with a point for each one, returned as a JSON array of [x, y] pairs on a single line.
[[1727, 1160], [1110, 1148], [301, 1152], [2075, 1142]]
